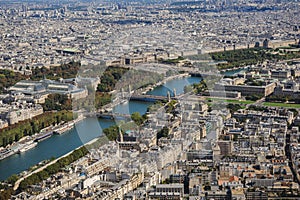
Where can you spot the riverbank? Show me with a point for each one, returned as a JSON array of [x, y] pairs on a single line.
[[86, 130], [169, 78], [17, 183], [30, 141], [109, 107]]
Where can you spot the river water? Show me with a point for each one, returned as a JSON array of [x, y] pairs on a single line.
[[85, 131]]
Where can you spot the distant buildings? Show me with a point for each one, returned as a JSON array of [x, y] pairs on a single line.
[[72, 36]]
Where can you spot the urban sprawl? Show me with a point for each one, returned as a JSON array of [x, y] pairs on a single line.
[[233, 135]]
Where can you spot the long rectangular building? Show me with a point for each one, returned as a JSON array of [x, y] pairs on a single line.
[[246, 90], [46, 86]]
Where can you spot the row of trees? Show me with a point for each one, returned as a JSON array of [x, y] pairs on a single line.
[[68, 70], [282, 98], [53, 169], [240, 55], [244, 57], [258, 108], [254, 97], [29, 127]]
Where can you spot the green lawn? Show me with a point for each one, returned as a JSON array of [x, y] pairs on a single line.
[[285, 105], [231, 101]]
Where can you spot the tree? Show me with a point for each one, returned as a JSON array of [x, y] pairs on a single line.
[[137, 118], [29, 127], [233, 107], [57, 102], [52, 169], [207, 186], [112, 133], [6, 194], [12, 179], [164, 132]]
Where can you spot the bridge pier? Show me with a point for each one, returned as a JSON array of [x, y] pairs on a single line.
[[174, 92]]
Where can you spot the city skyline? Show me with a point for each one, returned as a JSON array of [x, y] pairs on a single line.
[[150, 99]]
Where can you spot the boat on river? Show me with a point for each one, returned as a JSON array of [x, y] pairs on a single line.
[[26, 147], [44, 136]]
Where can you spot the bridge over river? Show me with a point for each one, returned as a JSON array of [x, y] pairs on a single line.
[[113, 115], [150, 98], [153, 98]]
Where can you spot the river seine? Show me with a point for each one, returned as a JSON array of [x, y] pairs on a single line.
[[85, 131]]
